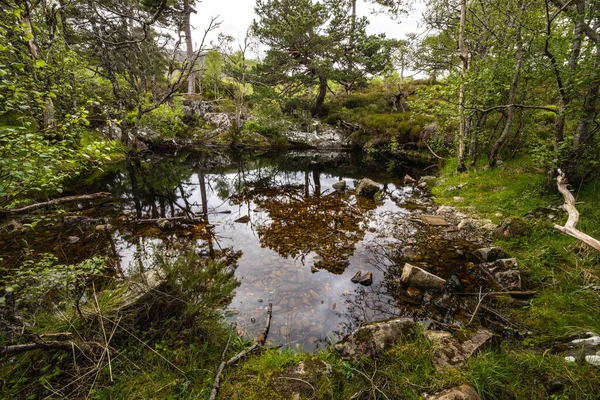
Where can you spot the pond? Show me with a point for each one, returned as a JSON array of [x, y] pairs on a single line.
[[277, 223]]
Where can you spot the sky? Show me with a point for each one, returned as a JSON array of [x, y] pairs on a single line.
[[237, 15]]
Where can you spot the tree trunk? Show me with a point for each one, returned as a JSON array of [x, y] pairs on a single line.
[[189, 46], [512, 94], [589, 106], [318, 111], [461, 97]]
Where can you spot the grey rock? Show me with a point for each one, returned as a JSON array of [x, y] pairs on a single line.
[[445, 210], [73, 239], [243, 219], [504, 272], [409, 180], [363, 277], [371, 339], [367, 188], [466, 223], [417, 277], [489, 254], [340, 186], [452, 352], [463, 392]]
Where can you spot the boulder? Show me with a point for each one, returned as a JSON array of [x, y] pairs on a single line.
[[584, 346], [463, 392], [489, 254], [417, 277], [452, 352], [512, 227], [504, 272], [340, 186], [367, 188], [371, 339], [363, 277]]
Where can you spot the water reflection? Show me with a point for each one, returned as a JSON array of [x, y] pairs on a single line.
[[274, 219]]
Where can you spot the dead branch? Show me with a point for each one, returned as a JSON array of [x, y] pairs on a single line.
[[61, 200], [259, 344], [507, 293], [570, 226], [69, 346]]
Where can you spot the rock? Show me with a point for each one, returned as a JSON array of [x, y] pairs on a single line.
[[489, 227], [464, 392], [13, 226], [433, 220], [459, 199], [461, 215], [259, 210], [584, 346], [409, 180], [489, 254], [555, 386], [454, 283], [340, 186], [426, 178], [371, 339], [243, 219], [103, 228], [512, 227], [445, 210], [417, 277], [367, 188], [453, 188], [74, 219], [164, 224], [450, 352], [466, 223], [504, 272], [363, 277], [413, 292], [73, 239]]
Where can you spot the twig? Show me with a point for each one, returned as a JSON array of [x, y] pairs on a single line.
[[61, 200], [508, 293], [478, 304], [106, 348], [259, 344], [433, 152]]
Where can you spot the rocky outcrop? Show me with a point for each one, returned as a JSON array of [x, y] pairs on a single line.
[[489, 254], [371, 339], [367, 188], [583, 346], [331, 138], [452, 352]]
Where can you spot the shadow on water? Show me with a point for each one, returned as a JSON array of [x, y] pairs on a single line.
[[275, 219]]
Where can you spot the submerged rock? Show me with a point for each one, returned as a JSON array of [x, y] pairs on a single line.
[[243, 219], [463, 392], [371, 339], [367, 188], [340, 186], [363, 277], [417, 277], [451, 352]]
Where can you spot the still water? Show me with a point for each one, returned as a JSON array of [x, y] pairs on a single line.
[[275, 220]]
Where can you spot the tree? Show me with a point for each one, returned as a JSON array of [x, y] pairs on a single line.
[[311, 43]]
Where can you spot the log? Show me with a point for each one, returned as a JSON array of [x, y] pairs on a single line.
[[570, 226], [60, 200]]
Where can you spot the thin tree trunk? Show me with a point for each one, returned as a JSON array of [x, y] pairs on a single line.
[[512, 94], [461, 97], [589, 106], [321, 96], [189, 46]]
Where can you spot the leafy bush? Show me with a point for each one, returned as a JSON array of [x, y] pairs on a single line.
[[166, 120]]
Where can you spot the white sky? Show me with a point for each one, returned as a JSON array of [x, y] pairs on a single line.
[[237, 15]]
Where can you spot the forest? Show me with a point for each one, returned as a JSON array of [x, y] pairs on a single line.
[[310, 211]]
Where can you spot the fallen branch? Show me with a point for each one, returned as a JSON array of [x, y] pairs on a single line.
[[61, 200], [260, 343], [182, 220], [569, 227], [432, 152], [16, 349], [507, 293]]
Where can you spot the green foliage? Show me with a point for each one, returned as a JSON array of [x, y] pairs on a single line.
[[38, 281], [166, 120]]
